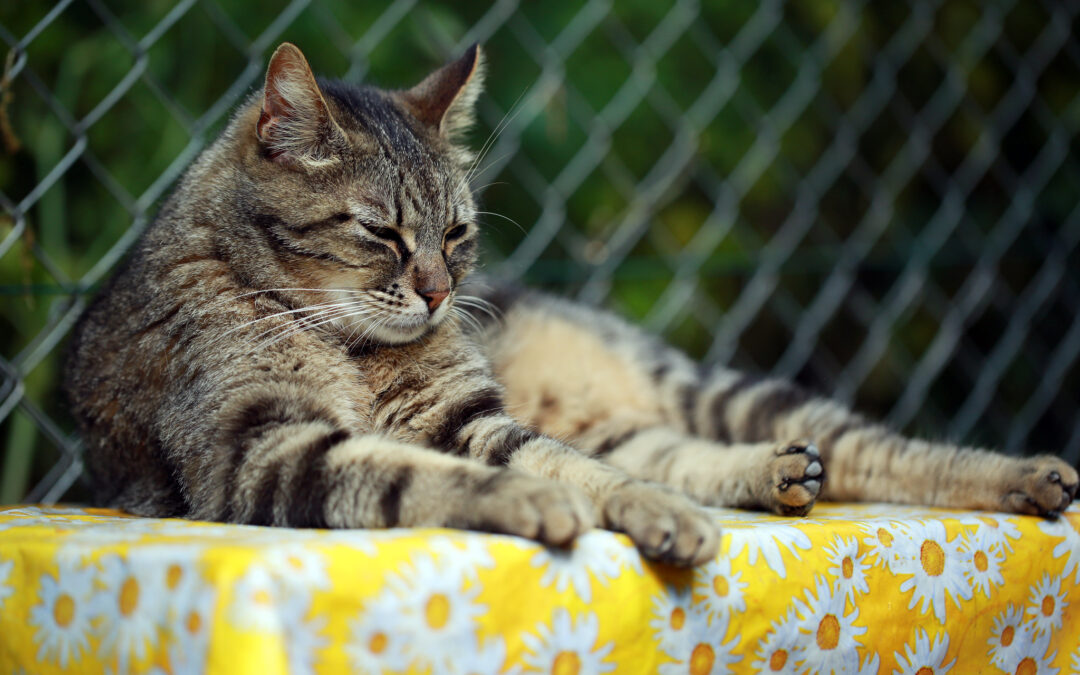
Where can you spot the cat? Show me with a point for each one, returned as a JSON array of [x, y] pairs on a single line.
[[290, 344]]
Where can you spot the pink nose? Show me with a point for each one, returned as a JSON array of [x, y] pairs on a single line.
[[433, 297]]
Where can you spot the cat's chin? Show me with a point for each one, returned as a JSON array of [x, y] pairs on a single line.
[[402, 332]]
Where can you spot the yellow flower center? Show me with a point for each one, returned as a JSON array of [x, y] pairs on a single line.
[[777, 660], [437, 611], [1048, 605], [129, 596], [925, 670], [64, 610], [173, 576], [932, 557], [828, 632], [678, 618], [1007, 636], [884, 537], [701, 660], [295, 563], [1027, 667], [847, 567], [263, 597], [566, 663], [720, 585], [981, 563], [377, 643], [194, 622]]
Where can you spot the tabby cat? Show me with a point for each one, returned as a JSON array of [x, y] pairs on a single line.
[[289, 344]]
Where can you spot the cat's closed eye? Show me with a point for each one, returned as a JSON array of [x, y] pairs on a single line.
[[384, 233], [456, 232]]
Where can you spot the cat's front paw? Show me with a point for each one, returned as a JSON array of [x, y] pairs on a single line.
[[796, 475], [663, 525], [549, 512], [1041, 485]]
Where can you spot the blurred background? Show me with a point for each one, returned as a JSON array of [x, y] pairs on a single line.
[[880, 200]]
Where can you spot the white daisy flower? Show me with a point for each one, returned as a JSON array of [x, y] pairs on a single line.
[[1012, 641], [871, 666], [302, 635], [590, 555], [5, 572], [189, 627], [1069, 547], [829, 637], [722, 588], [776, 653], [885, 542], [983, 553], [297, 565], [376, 641], [848, 567], [467, 552], [1076, 660], [1046, 605], [1036, 665], [669, 615], [62, 616], [767, 541], [569, 646], [998, 527], [926, 658], [256, 601], [698, 648], [437, 612], [936, 569], [129, 607]]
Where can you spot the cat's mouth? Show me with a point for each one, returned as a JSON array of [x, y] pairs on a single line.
[[399, 328]]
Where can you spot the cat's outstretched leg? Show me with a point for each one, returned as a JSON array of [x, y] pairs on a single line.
[[587, 376], [664, 524], [785, 478], [869, 462], [309, 474]]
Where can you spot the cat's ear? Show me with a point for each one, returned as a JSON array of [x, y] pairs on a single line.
[[296, 126], [445, 100]]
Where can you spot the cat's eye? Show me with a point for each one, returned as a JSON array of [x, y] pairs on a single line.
[[342, 217], [456, 232], [385, 233]]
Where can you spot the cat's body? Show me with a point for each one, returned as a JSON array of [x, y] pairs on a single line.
[[286, 346]]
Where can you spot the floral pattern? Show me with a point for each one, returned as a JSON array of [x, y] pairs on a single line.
[[857, 588]]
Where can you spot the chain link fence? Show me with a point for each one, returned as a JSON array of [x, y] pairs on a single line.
[[877, 199]]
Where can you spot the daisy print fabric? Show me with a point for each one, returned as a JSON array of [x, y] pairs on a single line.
[[856, 588]]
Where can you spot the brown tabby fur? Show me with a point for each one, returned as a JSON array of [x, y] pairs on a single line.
[[288, 345]]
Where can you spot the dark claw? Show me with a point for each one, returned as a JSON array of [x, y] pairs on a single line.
[[1054, 477]]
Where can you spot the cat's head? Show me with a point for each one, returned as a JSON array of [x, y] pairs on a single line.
[[361, 194]]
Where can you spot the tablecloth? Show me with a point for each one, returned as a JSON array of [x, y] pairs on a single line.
[[853, 589]]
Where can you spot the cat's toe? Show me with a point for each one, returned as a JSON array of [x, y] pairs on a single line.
[[664, 526], [1042, 486], [796, 474]]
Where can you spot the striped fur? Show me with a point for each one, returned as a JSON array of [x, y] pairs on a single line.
[[728, 438]]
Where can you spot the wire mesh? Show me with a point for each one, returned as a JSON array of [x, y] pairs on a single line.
[[876, 199]]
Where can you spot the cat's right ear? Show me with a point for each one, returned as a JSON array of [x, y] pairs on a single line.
[[296, 127]]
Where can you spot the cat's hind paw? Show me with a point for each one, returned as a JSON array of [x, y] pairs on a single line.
[[796, 476], [1042, 486]]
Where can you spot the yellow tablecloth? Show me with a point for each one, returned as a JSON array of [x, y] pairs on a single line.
[[855, 588]]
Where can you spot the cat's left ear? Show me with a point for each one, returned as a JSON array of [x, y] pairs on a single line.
[[446, 99]]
